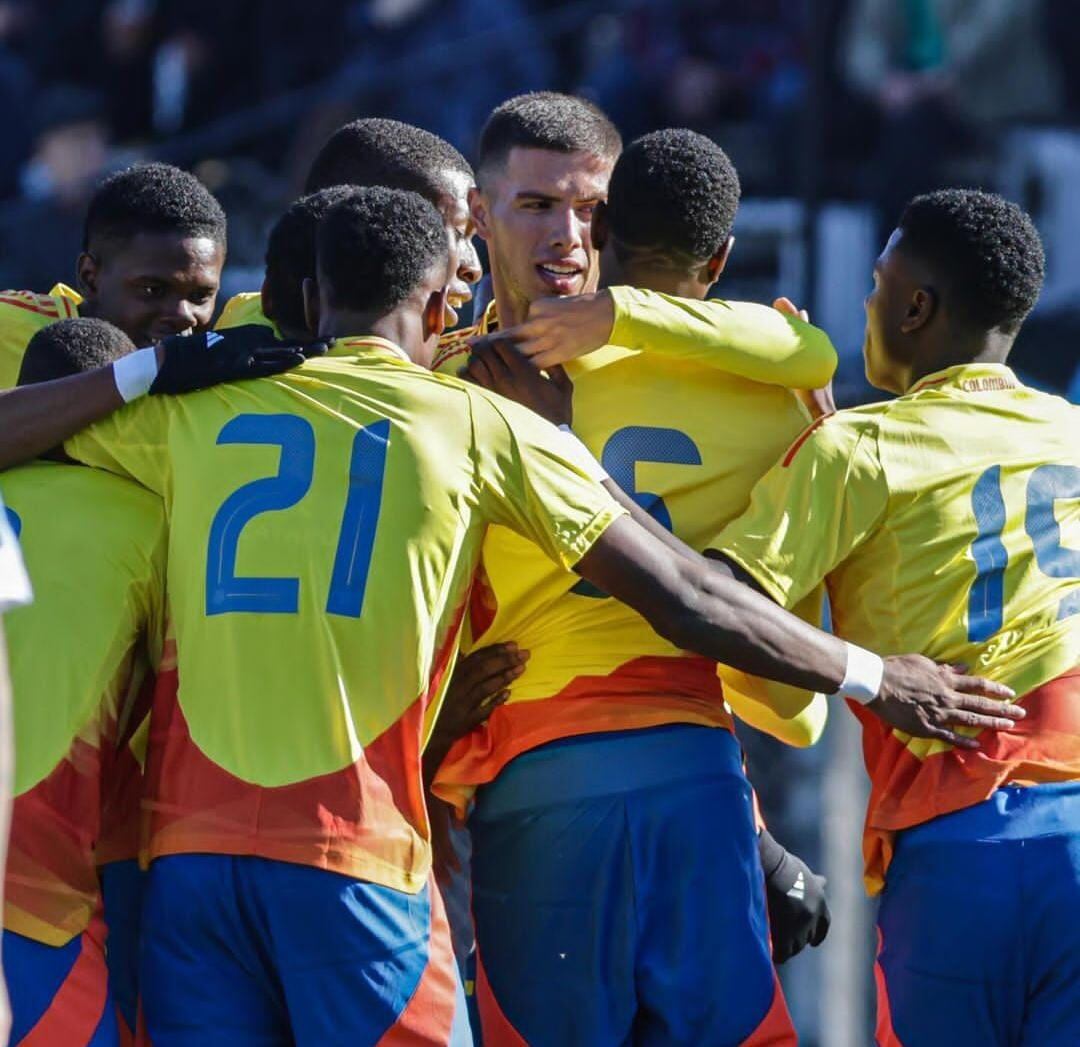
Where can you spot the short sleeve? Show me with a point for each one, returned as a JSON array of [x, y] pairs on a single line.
[[742, 338], [533, 479], [132, 442], [822, 499]]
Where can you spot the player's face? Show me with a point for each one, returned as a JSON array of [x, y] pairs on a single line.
[[454, 207], [884, 347], [536, 215], [154, 284]]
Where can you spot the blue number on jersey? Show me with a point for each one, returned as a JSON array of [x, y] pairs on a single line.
[[359, 520], [225, 592], [14, 520], [622, 452], [1046, 485]]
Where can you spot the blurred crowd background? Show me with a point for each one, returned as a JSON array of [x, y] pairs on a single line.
[[834, 111]]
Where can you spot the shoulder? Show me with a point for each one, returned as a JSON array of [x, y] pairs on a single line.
[[837, 436], [453, 349], [43, 309], [242, 309]]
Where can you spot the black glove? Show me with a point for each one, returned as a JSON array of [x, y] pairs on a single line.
[[197, 361], [798, 914]]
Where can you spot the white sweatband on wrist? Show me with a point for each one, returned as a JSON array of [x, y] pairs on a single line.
[[583, 457], [862, 676], [135, 373]]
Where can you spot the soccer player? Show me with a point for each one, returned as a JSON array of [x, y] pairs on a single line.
[[564, 821], [325, 527], [77, 656], [947, 521], [153, 248], [367, 152]]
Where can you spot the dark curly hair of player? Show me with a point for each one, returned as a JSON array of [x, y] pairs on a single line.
[[674, 191], [986, 250], [152, 198], [376, 246], [72, 347], [290, 254], [547, 120], [375, 151]]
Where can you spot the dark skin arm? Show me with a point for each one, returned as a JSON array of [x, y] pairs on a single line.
[[698, 605]]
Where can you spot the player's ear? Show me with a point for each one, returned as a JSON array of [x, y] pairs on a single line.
[[435, 313], [311, 304], [86, 274], [478, 208], [715, 265], [920, 310], [600, 229]]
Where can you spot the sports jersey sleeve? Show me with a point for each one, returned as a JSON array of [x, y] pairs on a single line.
[[811, 509], [741, 338], [131, 443], [532, 479]]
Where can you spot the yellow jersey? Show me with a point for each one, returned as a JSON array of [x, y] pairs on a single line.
[[325, 526], [686, 437], [946, 522], [95, 547], [243, 309], [22, 315]]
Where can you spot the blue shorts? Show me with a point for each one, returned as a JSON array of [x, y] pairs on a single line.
[[122, 888], [60, 994], [619, 898], [979, 926], [243, 950]]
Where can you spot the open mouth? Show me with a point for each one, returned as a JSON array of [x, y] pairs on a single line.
[[562, 278]]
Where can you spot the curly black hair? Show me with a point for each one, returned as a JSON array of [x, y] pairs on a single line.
[[375, 151], [676, 191], [547, 120], [376, 246], [986, 250], [72, 347], [290, 253], [152, 198]]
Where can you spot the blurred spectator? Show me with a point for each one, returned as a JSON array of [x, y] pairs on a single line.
[[942, 75]]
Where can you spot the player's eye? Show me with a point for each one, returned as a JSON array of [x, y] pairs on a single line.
[[201, 297], [586, 209], [150, 291], [535, 205]]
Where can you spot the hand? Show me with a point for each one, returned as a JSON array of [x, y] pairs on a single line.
[[497, 365], [795, 894], [478, 687], [561, 329], [819, 402], [927, 700], [187, 363]]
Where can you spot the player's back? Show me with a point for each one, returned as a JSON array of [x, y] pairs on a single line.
[[324, 530], [95, 547], [22, 315], [688, 443]]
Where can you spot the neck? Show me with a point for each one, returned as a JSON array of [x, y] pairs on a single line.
[[658, 278], [992, 348], [510, 308], [398, 327]]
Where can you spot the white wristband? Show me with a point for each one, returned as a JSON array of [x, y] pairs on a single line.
[[862, 676], [135, 373], [584, 457]]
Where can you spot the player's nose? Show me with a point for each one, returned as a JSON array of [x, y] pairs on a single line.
[[469, 268]]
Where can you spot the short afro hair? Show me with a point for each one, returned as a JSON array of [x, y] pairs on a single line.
[[290, 254], [547, 120], [72, 347], [676, 191], [152, 198], [986, 250], [376, 247], [373, 151]]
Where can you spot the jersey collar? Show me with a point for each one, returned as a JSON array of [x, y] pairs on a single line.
[[61, 290], [350, 345], [970, 378]]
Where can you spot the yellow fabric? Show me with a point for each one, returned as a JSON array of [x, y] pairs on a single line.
[[882, 502], [22, 315], [94, 545], [243, 309], [307, 689]]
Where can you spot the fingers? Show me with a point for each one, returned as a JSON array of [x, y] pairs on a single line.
[[315, 349], [982, 721], [560, 378], [943, 734], [975, 685]]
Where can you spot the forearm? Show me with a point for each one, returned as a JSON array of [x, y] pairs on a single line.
[[36, 418], [654, 527], [742, 338]]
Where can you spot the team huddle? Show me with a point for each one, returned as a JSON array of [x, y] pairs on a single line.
[[381, 680]]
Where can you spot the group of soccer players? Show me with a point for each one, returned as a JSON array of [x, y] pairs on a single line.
[[327, 594]]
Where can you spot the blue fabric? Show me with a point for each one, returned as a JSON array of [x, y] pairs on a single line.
[[980, 923], [122, 889], [243, 950], [636, 916], [35, 973]]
